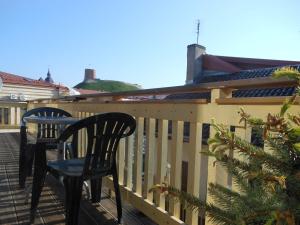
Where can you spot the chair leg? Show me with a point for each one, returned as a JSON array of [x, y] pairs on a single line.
[[40, 170], [96, 186], [118, 195], [73, 192], [30, 156], [25, 163]]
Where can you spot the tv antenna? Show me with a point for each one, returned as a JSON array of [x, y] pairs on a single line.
[[198, 29]]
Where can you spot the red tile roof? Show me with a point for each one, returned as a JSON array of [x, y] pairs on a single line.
[[211, 62], [235, 64], [8, 78]]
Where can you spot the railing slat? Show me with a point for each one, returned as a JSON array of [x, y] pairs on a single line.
[[128, 161], [193, 184], [176, 162], [2, 116], [138, 155], [18, 115], [80, 138], [12, 116], [121, 161], [162, 154], [211, 176], [149, 158], [245, 134]]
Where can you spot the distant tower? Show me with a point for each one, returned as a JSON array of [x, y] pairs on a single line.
[[89, 75], [49, 78]]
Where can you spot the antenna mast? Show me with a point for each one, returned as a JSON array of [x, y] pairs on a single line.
[[198, 28]]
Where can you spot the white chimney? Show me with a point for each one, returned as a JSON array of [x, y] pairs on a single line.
[[194, 62]]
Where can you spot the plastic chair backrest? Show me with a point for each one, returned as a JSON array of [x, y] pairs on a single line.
[[45, 130], [104, 132]]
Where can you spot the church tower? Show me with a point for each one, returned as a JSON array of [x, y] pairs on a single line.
[[49, 78]]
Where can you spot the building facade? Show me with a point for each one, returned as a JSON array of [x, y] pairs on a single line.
[[18, 88]]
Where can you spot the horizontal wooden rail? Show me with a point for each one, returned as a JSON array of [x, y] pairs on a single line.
[[263, 82]]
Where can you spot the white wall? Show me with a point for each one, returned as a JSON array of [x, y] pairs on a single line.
[[29, 92]]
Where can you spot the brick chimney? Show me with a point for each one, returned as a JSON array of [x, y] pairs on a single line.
[[89, 74], [194, 61]]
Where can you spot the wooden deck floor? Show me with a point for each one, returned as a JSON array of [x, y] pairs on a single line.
[[50, 210]]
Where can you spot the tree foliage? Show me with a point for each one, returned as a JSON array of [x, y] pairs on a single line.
[[108, 85]]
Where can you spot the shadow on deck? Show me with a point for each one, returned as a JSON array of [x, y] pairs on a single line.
[[13, 210]]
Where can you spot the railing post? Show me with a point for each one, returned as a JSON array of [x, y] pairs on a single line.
[[220, 93]]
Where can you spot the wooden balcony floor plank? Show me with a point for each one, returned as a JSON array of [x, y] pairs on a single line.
[[7, 206], [18, 196], [50, 211]]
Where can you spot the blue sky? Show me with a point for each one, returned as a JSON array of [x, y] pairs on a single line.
[[141, 42]]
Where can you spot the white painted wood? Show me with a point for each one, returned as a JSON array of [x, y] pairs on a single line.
[[196, 114], [121, 160], [18, 115], [149, 159], [30, 92], [158, 215], [211, 175], [129, 161], [12, 116], [194, 168], [138, 155], [245, 134], [162, 154], [176, 161]]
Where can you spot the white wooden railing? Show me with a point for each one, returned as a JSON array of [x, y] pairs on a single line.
[[10, 114], [154, 154]]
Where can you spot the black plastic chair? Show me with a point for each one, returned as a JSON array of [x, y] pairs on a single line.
[[27, 144], [104, 132]]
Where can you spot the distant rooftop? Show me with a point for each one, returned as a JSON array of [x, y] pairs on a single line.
[[236, 64], [9, 78], [206, 68]]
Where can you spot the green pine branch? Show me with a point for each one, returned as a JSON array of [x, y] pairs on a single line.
[[266, 183]]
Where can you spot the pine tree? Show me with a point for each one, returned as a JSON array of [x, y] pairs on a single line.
[[268, 182]]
